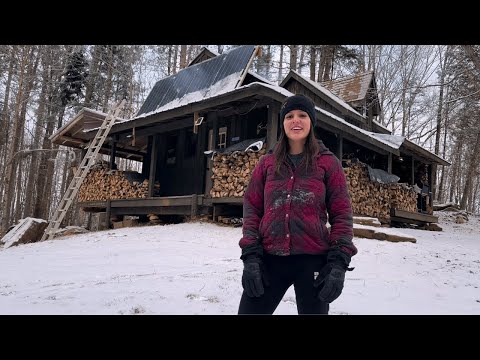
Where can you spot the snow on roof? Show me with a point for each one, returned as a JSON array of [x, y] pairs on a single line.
[[197, 77], [370, 134], [393, 140], [380, 125], [254, 74], [222, 88], [225, 85], [277, 88]]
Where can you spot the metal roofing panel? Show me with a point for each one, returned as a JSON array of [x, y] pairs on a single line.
[[199, 78]]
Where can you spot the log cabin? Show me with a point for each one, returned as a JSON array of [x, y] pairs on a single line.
[[200, 132]]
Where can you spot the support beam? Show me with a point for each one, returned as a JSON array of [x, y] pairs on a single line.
[[194, 205], [107, 214], [113, 151], [413, 171], [153, 165], [432, 181], [214, 118], [390, 163], [272, 124], [200, 158], [340, 147]]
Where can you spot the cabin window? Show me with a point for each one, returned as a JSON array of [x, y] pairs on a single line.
[[171, 149], [222, 137]]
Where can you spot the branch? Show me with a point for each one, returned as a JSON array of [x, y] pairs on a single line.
[[28, 152], [462, 97]]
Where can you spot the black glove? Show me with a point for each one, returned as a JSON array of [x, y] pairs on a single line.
[[254, 276], [332, 276]]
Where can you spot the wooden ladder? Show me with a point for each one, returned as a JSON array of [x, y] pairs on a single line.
[[82, 172]]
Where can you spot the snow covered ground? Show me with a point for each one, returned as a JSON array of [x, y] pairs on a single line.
[[194, 268]]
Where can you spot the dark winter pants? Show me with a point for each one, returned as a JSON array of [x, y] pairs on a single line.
[[283, 271]]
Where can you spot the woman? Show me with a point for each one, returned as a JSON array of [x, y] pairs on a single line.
[[285, 239]]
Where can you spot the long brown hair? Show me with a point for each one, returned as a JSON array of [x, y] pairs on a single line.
[[281, 149]]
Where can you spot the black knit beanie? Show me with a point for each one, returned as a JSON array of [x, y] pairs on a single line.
[[298, 102]]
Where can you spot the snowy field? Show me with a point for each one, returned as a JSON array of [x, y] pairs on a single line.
[[194, 268]]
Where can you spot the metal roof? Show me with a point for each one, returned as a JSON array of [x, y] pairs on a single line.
[[198, 77]]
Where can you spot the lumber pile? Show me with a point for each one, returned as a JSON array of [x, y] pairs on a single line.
[[371, 198], [104, 184], [231, 172]]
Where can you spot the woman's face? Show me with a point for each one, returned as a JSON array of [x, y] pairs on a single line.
[[296, 125]]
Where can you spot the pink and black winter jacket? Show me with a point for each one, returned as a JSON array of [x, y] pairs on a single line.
[[287, 214]]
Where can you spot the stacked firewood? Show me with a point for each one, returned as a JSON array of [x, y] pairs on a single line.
[[103, 184], [231, 172], [371, 198]]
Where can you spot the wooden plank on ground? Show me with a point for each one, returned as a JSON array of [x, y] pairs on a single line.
[[414, 216]]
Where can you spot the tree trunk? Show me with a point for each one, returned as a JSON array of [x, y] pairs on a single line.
[[27, 67], [183, 56], [439, 119], [19, 191], [169, 59], [456, 164], [471, 169], [313, 62], [326, 62], [474, 208], [54, 112], [39, 128], [280, 66], [363, 56], [191, 49], [268, 61], [175, 56], [372, 57], [444, 150], [92, 77], [5, 122], [67, 177], [302, 57], [293, 57], [108, 82]]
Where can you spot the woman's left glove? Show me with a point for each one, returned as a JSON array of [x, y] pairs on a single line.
[[332, 277], [254, 276]]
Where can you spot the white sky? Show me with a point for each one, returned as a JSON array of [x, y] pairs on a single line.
[[194, 268]]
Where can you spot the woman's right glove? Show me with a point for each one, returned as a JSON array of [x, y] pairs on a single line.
[[254, 276]]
